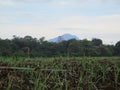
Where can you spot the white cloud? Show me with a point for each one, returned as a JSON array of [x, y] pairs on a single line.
[[6, 20], [23, 30], [60, 3], [92, 26], [82, 26], [96, 24], [28, 21], [6, 3]]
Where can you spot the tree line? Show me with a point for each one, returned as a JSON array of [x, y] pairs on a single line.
[[32, 47]]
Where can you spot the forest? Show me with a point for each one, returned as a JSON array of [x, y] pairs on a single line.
[[32, 47]]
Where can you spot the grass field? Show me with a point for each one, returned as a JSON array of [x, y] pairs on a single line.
[[61, 73]]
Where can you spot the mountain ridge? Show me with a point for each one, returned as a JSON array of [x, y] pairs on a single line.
[[64, 37]]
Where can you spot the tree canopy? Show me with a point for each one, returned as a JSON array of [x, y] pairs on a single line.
[[33, 47]]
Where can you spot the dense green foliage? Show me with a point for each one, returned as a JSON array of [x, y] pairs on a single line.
[[33, 47]]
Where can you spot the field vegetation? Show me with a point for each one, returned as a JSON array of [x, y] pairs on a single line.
[[60, 73]]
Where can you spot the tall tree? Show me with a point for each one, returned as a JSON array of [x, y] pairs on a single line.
[[117, 48], [96, 42]]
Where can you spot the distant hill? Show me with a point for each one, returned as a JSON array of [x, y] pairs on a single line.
[[64, 37]]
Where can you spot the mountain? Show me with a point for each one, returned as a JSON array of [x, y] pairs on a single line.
[[64, 37]]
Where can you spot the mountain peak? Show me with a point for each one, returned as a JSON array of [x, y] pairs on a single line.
[[64, 37]]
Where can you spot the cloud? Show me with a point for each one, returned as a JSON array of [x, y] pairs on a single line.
[[101, 24], [6, 3], [35, 30], [49, 20], [65, 2], [105, 27], [31, 1], [60, 3], [70, 28], [6, 20]]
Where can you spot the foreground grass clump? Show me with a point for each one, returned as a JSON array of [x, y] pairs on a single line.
[[87, 73]]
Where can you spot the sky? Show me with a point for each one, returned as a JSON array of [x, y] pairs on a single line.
[[86, 19]]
